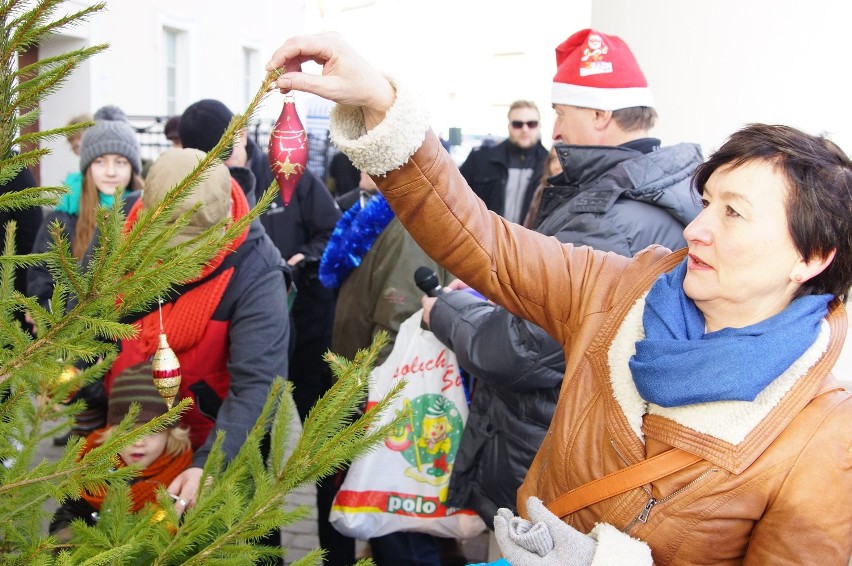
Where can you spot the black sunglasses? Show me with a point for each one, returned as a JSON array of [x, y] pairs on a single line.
[[518, 124]]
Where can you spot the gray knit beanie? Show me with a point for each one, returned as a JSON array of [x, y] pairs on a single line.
[[110, 134]]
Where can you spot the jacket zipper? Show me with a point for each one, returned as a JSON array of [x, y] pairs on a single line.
[[646, 510]]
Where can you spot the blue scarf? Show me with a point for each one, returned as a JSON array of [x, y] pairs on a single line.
[[678, 364], [70, 201], [352, 238]]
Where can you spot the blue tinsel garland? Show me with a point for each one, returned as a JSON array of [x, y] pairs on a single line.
[[351, 239]]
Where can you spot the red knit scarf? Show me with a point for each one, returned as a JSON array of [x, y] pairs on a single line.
[[143, 488], [185, 319]]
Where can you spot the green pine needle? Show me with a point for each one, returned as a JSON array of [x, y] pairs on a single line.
[[240, 500]]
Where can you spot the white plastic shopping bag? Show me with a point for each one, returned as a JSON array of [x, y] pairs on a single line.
[[402, 485]]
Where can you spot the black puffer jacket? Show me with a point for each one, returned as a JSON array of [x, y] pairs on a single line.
[[621, 199], [518, 372], [303, 226], [487, 169]]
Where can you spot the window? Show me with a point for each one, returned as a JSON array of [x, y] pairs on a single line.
[[250, 78], [173, 41]]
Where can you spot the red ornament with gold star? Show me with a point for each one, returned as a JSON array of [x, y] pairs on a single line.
[[288, 150], [165, 368]]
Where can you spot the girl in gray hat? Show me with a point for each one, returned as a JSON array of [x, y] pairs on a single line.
[[109, 159]]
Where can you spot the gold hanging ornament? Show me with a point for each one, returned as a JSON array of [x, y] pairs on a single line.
[[68, 373], [165, 367]]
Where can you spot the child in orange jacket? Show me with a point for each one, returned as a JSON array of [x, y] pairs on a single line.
[[161, 456]]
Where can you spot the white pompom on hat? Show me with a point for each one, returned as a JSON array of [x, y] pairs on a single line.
[[596, 70]]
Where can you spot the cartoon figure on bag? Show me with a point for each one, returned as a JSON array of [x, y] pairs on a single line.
[[428, 439], [436, 428]]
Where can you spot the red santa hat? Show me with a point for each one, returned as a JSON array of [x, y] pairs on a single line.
[[595, 70]]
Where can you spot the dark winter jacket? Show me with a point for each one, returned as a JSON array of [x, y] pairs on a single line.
[[28, 221], [39, 279], [518, 372], [486, 170], [342, 176], [380, 294], [244, 347], [304, 226], [258, 164], [620, 199]]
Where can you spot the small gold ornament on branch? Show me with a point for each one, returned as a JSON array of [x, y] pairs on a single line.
[[165, 368]]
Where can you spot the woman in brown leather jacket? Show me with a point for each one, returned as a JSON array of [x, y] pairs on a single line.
[[723, 350]]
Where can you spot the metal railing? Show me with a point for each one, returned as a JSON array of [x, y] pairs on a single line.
[[152, 141]]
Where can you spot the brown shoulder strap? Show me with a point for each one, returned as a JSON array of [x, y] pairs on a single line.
[[631, 477]]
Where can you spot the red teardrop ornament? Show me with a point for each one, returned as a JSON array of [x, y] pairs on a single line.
[[288, 150]]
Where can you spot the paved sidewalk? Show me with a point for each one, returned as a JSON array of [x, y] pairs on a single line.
[[301, 538]]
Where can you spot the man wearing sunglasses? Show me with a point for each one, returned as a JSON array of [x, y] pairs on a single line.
[[505, 176]]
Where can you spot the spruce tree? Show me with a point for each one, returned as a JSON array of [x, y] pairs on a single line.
[[240, 500]]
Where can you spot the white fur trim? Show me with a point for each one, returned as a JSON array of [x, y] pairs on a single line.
[[387, 146], [600, 98], [622, 349], [615, 548], [731, 421]]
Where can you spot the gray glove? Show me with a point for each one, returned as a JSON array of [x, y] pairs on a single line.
[[543, 541]]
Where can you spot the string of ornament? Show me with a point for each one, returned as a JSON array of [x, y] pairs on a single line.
[[352, 238]]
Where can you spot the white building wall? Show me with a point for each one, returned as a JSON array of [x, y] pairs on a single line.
[[130, 73], [469, 58], [716, 65], [713, 65]]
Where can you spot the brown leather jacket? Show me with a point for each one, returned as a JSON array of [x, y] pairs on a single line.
[[775, 485]]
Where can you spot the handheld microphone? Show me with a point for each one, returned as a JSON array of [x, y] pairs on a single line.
[[427, 281]]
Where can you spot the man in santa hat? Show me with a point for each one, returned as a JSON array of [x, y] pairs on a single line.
[[620, 191]]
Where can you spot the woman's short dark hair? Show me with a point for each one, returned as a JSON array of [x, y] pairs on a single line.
[[819, 200]]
